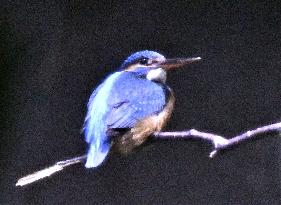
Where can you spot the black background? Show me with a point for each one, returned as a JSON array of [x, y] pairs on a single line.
[[54, 53]]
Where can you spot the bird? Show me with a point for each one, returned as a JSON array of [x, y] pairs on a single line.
[[124, 110], [130, 105]]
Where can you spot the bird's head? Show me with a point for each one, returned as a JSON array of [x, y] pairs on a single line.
[[152, 65]]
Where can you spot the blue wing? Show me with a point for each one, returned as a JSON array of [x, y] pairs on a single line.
[[134, 99], [121, 101]]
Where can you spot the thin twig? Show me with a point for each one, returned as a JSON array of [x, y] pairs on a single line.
[[49, 170], [219, 143], [276, 127]]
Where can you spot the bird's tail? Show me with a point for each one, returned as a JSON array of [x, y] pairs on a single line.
[[96, 155]]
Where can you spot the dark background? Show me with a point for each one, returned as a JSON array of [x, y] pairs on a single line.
[[52, 55]]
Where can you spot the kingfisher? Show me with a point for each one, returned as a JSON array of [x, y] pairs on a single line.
[[130, 105]]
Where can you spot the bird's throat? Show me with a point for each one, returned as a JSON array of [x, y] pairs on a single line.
[[158, 75]]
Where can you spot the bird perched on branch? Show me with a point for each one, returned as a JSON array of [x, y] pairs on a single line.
[[130, 105]]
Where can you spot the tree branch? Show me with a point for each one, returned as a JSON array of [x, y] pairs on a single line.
[[58, 166], [219, 143]]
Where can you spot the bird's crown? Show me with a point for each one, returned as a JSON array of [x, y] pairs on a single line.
[[141, 58]]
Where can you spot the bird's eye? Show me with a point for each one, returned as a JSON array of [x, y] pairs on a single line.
[[143, 61]]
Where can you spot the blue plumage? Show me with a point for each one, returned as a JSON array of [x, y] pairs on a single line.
[[141, 54], [120, 101], [130, 102], [95, 124], [133, 102]]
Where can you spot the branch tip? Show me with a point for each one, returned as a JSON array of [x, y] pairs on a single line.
[[213, 154]]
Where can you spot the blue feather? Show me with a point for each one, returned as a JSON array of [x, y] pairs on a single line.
[[133, 99], [120, 102], [145, 53], [95, 124]]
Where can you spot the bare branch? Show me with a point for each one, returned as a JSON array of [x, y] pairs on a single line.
[[219, 143], [276, 127], [49, 170]]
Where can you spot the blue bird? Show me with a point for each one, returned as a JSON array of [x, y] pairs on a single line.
[[130, 105]]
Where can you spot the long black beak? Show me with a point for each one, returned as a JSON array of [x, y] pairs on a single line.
[[177, 62]]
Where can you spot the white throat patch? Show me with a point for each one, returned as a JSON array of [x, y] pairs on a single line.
[[158, 75]]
